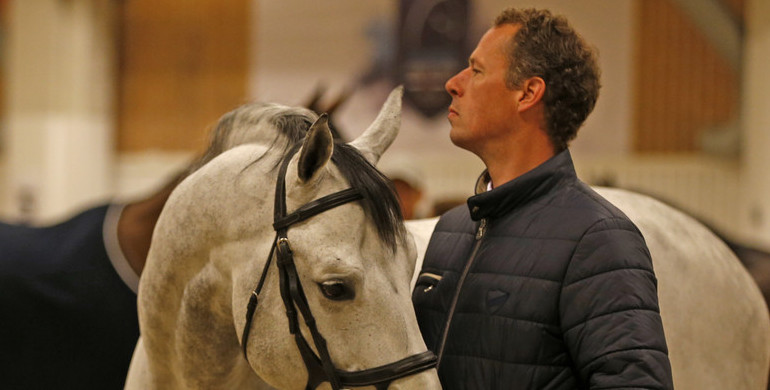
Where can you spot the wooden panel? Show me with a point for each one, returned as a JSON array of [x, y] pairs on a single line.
[[181, 67], [683, 87]]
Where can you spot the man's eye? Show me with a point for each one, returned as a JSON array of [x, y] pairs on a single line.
[[475, 71]]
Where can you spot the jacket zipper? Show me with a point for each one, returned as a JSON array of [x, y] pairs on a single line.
[[479, 235]]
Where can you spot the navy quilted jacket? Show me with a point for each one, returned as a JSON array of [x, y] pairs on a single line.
[[541, 284]]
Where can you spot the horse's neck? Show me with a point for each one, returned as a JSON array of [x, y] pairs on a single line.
[[186, 290], [206, 310]]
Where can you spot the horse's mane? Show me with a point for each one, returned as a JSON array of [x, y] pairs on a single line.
[[286, 128], [257, 122]]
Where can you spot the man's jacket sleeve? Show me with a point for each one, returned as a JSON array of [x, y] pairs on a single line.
[[609, 309]]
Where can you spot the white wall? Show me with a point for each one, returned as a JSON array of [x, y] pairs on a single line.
[[756, 124], [58, 128], [300, 43]]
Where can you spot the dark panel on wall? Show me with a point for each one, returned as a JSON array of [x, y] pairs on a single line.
[[432, 47]]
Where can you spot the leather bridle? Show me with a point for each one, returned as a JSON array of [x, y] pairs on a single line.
[[320, 367]]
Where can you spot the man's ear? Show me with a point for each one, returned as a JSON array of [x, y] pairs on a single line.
[[532, 92]]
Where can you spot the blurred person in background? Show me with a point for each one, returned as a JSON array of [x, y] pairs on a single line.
[[409, 183]]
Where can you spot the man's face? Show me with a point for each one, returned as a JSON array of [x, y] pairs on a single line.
[[483, 109]]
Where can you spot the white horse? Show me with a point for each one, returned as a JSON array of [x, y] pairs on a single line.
[[238, 252], [715, 318]]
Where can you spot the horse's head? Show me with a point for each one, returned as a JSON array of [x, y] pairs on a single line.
[[282, 241], [346, 261]]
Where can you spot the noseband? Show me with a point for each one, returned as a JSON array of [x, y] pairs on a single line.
[[320, 367]]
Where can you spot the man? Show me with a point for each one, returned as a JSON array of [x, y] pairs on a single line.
[[538, 283]]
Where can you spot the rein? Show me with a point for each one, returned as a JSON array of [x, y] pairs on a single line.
[[320, 367]]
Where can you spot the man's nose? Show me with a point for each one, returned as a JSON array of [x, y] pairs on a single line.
[[452, 85]]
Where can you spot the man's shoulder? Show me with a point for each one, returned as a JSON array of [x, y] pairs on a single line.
[[583, 202], [567, 212], [573, 210]]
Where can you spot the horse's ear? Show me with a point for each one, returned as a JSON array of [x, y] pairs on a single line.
[[316, 149], [381, 133]]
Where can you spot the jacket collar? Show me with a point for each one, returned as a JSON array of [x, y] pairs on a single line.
[[521, 190]]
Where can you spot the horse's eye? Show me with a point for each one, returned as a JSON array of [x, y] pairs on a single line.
[[336, 290]]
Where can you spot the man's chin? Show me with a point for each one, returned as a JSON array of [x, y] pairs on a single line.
[[458, 140], [454, 137]]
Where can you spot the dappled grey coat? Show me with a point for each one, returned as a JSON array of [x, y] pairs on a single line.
[[544, 285]]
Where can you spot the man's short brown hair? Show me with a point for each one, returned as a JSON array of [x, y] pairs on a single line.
[[546, 46]]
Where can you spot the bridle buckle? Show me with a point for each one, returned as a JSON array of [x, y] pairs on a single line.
[[283, 245]]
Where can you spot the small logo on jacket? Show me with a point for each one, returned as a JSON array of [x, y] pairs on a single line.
[[495, 300]]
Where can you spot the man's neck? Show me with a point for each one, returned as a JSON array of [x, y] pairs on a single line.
[[523, 155]]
